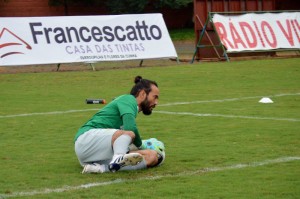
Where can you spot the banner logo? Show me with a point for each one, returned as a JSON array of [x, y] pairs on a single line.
[[11, 40]]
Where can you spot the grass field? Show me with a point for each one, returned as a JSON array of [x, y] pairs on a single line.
[[221, 143]]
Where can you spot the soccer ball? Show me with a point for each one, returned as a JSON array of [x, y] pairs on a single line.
[[156, 145], [153, 144]]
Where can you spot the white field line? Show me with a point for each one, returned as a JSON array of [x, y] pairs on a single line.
[[47, 113], [168, 104], [228, 116], [229, 100], [162, 112], [117, 181]]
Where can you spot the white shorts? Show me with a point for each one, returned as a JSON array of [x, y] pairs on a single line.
[[95, 146]]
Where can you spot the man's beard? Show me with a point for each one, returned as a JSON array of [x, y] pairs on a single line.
[[145, 105]]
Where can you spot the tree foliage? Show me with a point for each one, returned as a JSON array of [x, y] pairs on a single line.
[[125, 6], [176, 3]]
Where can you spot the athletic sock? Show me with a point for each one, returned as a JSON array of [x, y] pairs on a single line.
[[141, 165], [121, 144]]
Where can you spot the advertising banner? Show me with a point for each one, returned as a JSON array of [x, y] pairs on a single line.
[[48, 40], [266, 31]]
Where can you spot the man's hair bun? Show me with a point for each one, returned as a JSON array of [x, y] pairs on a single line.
[[142, 84], [137, 79]]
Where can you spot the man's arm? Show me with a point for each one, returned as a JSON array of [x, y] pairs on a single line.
[[130, 125]]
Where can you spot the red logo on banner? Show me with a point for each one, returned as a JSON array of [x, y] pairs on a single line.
[[11, 40]]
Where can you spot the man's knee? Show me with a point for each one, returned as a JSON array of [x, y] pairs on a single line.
[[150, 157], [118, 133]]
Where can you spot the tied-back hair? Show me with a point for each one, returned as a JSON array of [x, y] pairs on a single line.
[[142, 84]]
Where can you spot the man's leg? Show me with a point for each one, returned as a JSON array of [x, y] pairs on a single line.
[[150, 159], [120, 143], [96, 143], [94, 147]]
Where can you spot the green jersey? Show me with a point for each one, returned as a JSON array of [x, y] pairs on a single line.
[[118, 114]]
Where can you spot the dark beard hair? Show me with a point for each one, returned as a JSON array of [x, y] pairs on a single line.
[[146, 107]]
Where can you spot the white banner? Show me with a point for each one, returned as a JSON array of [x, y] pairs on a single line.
[[45, 40], [259, 31]]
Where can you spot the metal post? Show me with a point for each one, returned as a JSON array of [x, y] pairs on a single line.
[[200, 38]]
